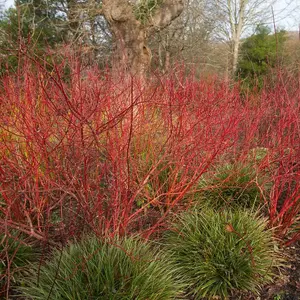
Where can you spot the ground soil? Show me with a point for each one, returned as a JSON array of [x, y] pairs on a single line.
[[287, 285]]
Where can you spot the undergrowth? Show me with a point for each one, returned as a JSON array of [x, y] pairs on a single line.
[[125, 268], [218, 253]]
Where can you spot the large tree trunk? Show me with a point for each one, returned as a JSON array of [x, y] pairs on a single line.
[[235, 55], [130, 36], [236, 29], [131, 33]]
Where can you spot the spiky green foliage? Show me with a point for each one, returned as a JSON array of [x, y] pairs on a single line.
[[233, 185], [96, 269], [216, 253], [15, 255], [259, 54]]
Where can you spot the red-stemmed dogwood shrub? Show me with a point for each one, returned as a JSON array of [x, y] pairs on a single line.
[[84, 149], [87, 151]]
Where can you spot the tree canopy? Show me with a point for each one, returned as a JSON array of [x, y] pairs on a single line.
[[260, 53]]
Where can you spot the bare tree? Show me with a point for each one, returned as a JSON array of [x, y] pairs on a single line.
[[132, 22], [186, 39], [2, 3], [92, 23], [234, 18]]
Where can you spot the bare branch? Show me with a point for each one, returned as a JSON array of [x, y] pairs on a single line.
[[166, 13]]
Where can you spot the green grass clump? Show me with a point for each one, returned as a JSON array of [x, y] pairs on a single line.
[[15, 255], [217, 253], [233, 185], [95, 269]]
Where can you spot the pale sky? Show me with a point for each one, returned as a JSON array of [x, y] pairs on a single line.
[[287, 13]]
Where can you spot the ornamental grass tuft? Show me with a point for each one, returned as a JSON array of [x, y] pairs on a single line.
[[16, 253], [95, 269], [231, 185], [218, 253]]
